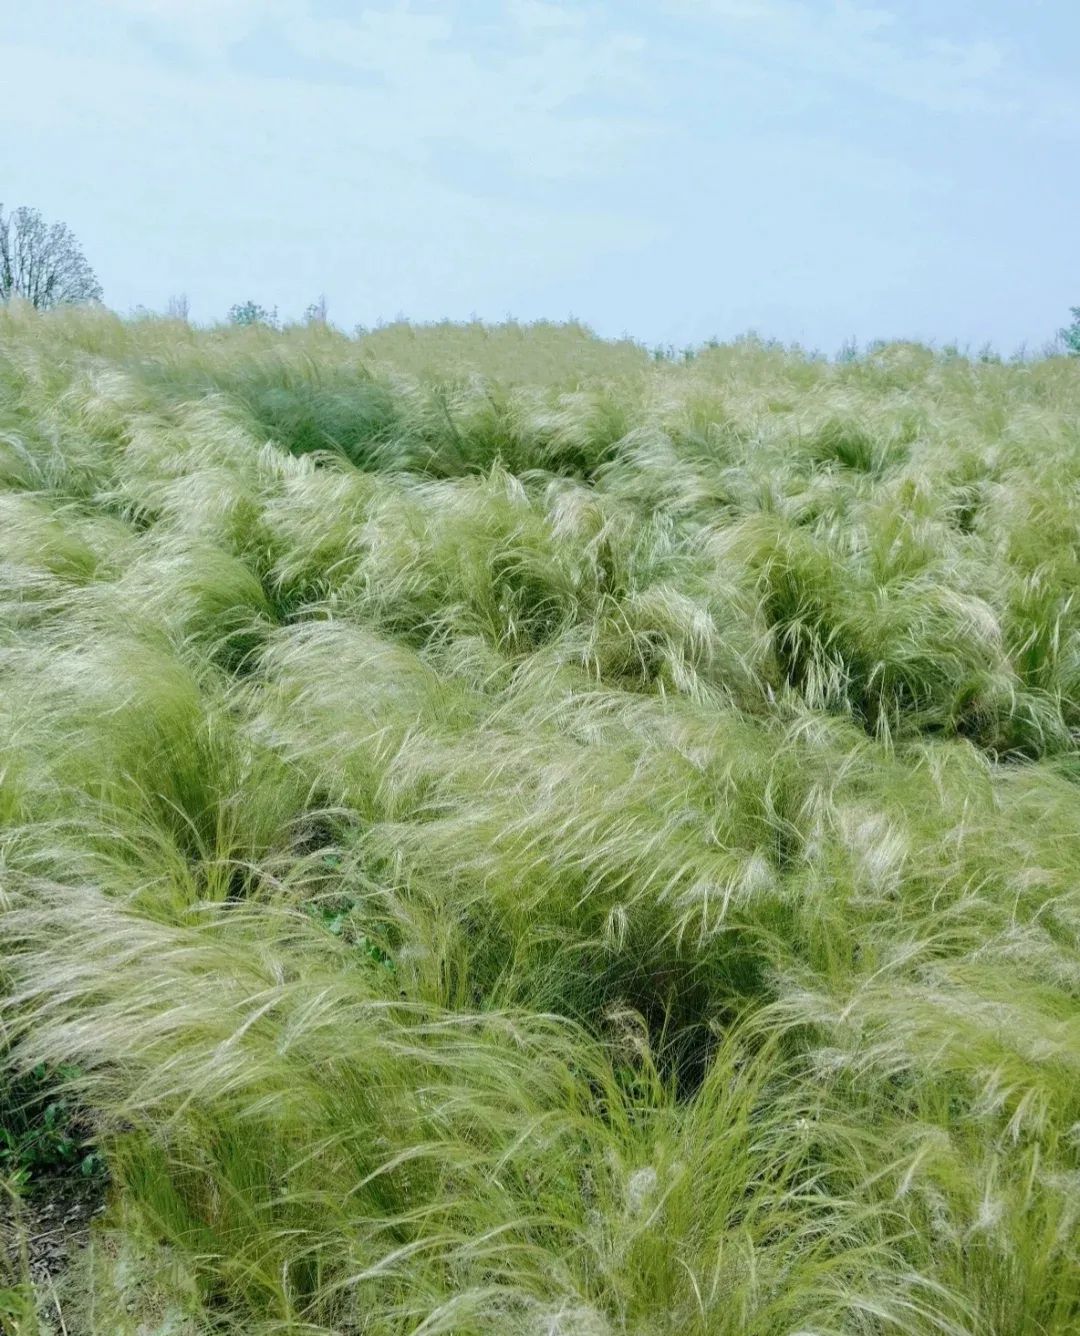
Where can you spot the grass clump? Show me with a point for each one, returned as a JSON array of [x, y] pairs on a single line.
[[502, 833]]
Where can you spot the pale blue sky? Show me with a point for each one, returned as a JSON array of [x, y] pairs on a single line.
[[813, 169]]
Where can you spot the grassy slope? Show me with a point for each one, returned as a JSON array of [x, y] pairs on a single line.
[[503, 835]]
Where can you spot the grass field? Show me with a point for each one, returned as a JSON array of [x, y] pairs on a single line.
[[502, 834]]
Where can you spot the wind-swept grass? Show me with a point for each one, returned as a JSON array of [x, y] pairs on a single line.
[[498, 833]]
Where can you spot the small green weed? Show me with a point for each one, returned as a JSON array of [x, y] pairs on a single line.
[[44, 1133], [342, 917]]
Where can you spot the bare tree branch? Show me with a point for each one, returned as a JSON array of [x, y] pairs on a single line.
[[43, 263]]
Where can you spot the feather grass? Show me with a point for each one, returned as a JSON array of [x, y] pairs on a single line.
[[502, 834]]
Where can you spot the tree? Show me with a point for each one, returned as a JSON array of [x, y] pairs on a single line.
[[1070, 335], [42, 262], [251, 313], [316, 312]]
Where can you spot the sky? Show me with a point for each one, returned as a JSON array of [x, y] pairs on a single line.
[[814, 170]]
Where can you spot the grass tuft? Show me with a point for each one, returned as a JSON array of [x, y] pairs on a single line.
[[499, 832]]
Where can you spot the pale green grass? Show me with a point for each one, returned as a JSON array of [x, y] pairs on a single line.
[[503, 834]]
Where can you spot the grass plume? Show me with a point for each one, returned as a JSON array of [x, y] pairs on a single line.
[[501, 833]]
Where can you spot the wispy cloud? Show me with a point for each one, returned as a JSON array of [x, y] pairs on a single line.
[[814, 167], [872, 47], [545, 16], [518, 96], [436, 185], [524, 84], [205, 27]]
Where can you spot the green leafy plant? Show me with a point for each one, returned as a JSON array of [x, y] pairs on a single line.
[[251, 313], [342, 916], [1070, 334], [42, 1132]]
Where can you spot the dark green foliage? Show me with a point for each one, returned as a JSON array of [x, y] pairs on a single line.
[[42, 1132], [251, 313], [1070, 335]]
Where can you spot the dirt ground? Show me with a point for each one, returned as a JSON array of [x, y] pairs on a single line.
[[45, 1230]]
